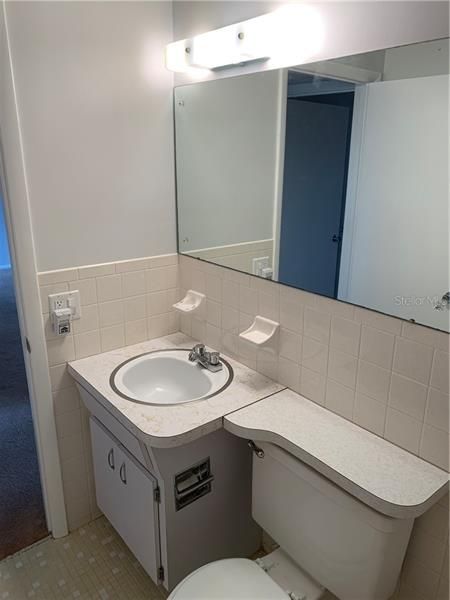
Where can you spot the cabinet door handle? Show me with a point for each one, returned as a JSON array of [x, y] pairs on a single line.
[[111, 459], [123, 474]]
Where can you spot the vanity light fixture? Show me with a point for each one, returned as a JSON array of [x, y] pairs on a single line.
[[287, 36]]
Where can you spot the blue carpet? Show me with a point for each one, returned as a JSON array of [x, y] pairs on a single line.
[[22, 516]]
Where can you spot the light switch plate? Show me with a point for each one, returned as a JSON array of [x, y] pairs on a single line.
[[66, 300]]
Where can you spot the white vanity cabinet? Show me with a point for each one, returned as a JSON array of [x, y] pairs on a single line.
[[177, 508], [127, 494]]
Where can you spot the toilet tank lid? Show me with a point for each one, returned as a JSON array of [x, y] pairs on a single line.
[[233, 579]]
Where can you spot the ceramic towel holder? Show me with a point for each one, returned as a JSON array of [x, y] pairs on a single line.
[[193, 303], [261, 332]]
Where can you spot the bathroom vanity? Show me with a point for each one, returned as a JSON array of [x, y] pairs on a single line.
[[174, 484], [175, 480]]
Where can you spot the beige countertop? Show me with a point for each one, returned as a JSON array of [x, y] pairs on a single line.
[[168, 425], [380, 474]]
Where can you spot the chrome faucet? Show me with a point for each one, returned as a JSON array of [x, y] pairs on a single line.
[[208, 360]]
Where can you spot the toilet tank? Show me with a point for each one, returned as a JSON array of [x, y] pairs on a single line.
[[348, 547]]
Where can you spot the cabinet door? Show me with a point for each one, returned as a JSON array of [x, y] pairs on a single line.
[[106, 464], [138, 524], [126, 495]]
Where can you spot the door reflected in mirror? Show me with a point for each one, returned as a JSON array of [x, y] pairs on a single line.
[[330, 177]]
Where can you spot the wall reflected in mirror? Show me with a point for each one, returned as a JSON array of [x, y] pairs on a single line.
[[330, 177]]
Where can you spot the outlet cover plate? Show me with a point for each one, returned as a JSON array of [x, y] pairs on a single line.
[[66, 300]]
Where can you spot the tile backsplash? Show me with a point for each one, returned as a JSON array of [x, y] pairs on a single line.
[[387, 375], [122, 303]]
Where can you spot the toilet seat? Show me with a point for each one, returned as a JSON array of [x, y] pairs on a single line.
[[229, 579]]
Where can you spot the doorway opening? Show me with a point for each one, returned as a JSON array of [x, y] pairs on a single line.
[[318, 132], [22, 514]]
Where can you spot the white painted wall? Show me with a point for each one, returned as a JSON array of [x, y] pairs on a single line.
[[350, 27], [14, 189], [397, 257], [418, 60], [226, 144], [95, 105]]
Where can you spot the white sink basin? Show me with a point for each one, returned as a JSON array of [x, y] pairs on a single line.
[[167, 377]]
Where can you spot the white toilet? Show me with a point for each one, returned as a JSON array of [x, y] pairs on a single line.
[[325, 536]]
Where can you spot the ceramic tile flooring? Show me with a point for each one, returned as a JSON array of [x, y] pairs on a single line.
[[92, 563]]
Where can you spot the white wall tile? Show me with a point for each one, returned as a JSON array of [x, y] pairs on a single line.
[[138, 264], [427, 549], [198, 282], [213, 313], [377, 346], [230, 293], [290, 345], [213, 337], [61, 350], [135, 308], [59, 276], [403, 430], [437, 413], [87, 344], [111, 313], [345, 335], [289, 374], [87, 289], [373, 381], [136, 331], [314, 355], [89, 319], [435, 522], [313, 385], [435, 446], [316, 325], [112, 337], [413, 360], [60, 378], [109, 288], [198, 329], [248, 300], [339, 399], [162, 260], [291, 311], [440, 371], [157, 303], [408, 396], [68, 423], [369, 413], [269, 305], [267, 364], [426, 335], [96, 271], [342, 367], [214, 287], [230, 319], [133, 283], [66, 400], [420, 578], [377, 320], [156, 279]]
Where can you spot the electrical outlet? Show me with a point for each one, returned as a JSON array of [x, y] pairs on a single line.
[[63, 300]]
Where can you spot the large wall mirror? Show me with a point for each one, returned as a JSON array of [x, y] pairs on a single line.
[[331, 177]]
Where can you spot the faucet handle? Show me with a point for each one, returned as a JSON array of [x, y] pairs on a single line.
[[214, 358], [199, 349]]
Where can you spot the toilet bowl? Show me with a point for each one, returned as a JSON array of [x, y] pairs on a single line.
[[325, 535], [274, 577]]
